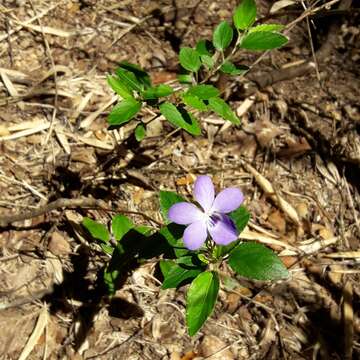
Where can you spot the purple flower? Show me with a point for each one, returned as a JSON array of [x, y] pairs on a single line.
[[212, 219]]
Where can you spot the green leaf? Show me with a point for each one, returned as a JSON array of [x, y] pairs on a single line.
[[173, 234], [141, 75], [129, 80], [204, 47], [120, 225], [165, 267], [201, 298], [167, 200], [267, 27], [186, 268], [255, 261], [140, 132], [97, 231], [185, 78], [204, 92], [223, 109], [222, 36], [157, 91], [124, 111], [263, 40], [240, 217], [207, 61], [245, 14], [180, 118], [229, 68], [118, 87], [189, 59], [144, 230], [194, 102]]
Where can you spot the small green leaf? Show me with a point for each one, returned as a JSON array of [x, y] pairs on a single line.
[[107, 249], [194, 102], [207, 61], [118, 87], [255, 261], [120, 225], [267, 27], [129, 80], [240, 217], [223, 109], [201, 298], [263, 40], [157, 92], [204, 47], [124, 111], [167, 200], [245, 14], [185, 78], [184, 269], [203, 259], [189, 59], [140, 132], [141, 75], [222, 36], [229, 68], [204, 92], [110, 278], [180, 118], [97, 231]]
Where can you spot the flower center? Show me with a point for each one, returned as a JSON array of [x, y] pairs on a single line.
[[213, 219]]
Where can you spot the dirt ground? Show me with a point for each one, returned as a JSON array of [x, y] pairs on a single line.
[[299, 136]]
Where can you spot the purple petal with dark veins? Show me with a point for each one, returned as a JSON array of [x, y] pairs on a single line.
[[228, 200], [184, 213], [195, 235], [204, 192], [222, 229]]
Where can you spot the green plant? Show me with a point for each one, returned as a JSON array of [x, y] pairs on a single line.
[[193, 244], [200, 64]]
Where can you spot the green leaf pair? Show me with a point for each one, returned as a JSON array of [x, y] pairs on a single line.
[[206, 97], [258, 38], [133, 84]]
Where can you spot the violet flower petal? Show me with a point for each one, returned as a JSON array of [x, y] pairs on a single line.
[[228, 200], [204, 192], [195, 235], [223, 230], [184, 213]]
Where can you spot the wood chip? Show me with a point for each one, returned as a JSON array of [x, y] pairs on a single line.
[[344, 255], [348, 320], [268, 189], [212, 346], [19, 134], [59, 245], [252, 235], [8, 84], [63, 141], [35, 336], [46, 29], [89, 119]]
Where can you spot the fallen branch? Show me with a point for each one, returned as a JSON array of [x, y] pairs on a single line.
[[5, 221]]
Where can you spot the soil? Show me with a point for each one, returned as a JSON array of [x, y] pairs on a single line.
[[300, 133]]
